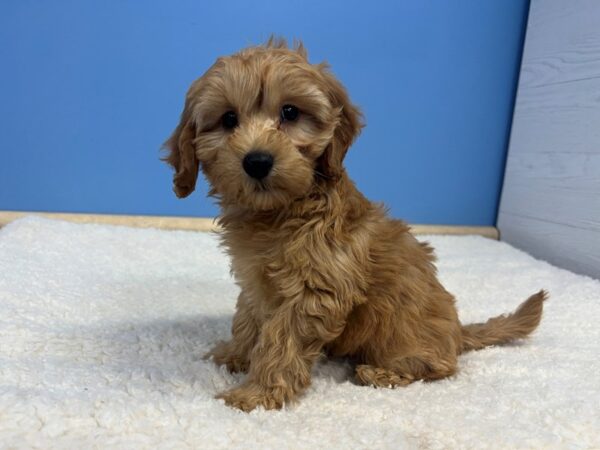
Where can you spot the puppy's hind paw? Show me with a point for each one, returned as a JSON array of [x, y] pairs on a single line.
[[378, 377]]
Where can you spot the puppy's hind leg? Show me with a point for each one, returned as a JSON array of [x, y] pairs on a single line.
[[235, 353]]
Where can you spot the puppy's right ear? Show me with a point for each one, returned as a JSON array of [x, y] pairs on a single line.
[[182, 155]]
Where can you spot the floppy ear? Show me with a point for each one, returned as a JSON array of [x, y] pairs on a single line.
[[182, 156], [348, 127]]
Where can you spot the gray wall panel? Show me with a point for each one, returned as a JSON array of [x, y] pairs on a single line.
[[550, 202]]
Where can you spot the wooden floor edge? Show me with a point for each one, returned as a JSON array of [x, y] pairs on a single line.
[[209, 224]]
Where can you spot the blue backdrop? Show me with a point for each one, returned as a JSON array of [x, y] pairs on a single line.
[[90, 89]]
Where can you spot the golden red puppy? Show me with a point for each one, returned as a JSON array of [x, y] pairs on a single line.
[[320, 267]]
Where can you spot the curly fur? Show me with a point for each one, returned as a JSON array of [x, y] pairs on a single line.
[[321, 268]]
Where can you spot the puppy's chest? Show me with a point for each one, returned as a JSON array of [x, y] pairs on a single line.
[[271, 258], [277, 266]]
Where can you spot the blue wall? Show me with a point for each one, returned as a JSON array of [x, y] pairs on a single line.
[[90, 89]]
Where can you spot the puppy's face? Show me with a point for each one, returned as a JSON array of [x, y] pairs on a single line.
[[263, 125]]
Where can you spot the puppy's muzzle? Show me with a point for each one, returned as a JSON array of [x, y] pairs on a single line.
[[258, 164]]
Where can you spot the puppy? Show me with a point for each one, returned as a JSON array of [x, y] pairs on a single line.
[[320, 267]]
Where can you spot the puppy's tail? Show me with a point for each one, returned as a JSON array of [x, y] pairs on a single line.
[[506, 328]]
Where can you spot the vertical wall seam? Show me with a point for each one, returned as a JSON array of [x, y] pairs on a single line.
[[517, 79]]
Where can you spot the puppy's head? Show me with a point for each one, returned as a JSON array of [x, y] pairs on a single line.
[[264, 125]]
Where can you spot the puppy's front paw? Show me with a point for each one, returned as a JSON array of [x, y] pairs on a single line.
[[250, 396], [226, 353]]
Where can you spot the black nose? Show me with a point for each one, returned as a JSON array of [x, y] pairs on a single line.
[[258, 164]]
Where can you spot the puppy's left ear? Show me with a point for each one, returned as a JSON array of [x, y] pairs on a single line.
[[347, 129], [182, 155]]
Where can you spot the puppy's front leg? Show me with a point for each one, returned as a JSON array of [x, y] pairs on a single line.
[[288, 345], [235, 353]]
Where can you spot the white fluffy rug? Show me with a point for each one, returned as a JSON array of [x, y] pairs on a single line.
[[102, 330]]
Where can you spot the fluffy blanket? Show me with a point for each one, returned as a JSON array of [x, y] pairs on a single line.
[[102, 330]]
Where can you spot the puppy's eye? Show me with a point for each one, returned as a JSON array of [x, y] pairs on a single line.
[[289, 113], [229, 120]]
